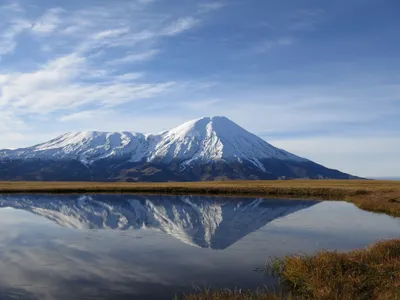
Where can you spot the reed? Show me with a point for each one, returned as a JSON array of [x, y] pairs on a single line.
[[372, 273]]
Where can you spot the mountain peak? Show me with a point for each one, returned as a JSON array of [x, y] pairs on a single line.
[[197, 126], [205, 148], [215, 139], [216, 120], [204, 140]]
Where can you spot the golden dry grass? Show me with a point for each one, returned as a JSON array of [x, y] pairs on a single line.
[[372, 273], [372, 195], [235, 295]]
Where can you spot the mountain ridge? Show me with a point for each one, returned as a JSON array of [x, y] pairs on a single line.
[[218, 138], [209, 148]]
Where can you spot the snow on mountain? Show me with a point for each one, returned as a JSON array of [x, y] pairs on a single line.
[[87, 146], [213, 223], [203, 140]]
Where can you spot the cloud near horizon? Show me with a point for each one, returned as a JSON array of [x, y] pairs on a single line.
[[304, 77]]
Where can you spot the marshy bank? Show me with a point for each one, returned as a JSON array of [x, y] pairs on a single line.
[[371, 273]]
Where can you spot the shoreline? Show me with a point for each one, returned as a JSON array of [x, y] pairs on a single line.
[[368, 273], [374, 196]]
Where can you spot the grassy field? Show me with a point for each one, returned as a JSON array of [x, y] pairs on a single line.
[[371, 195], [372, 273]]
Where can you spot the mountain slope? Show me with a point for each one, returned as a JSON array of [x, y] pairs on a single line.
[[204, 149], [214, 223], [215, 139]]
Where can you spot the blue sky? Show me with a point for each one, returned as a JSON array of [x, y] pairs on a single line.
[[317, 78]]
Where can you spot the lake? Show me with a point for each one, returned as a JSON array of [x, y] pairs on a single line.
[[153, 247]]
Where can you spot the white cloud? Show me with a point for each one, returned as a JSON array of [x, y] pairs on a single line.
[[9, 34], [11, 7], [179, 26], [86, 115], [10, 122], [122, 120], [136, 57], [129, 76], [113, 33], [84, 38], [211, 6], [56, 87], [48, 22], [11, 127], [78, 73]]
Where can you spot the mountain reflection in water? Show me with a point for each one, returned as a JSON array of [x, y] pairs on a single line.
[[154, 247], [214, 223]]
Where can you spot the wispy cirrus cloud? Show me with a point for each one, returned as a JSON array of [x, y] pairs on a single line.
[[12, 24], [57, 86], [211, 6], [136, 57], [180, 25], [48, 22], [88, 115], [9, 35], [80, 39], [112, 33]]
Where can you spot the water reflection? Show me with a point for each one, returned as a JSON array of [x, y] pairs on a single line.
[[214, 223], [142, 247]]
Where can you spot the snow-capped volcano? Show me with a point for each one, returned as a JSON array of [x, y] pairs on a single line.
[[205, 140], [214, 139], [211, 142], [214, 223]]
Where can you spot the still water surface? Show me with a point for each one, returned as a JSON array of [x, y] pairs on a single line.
[[153, 247]]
